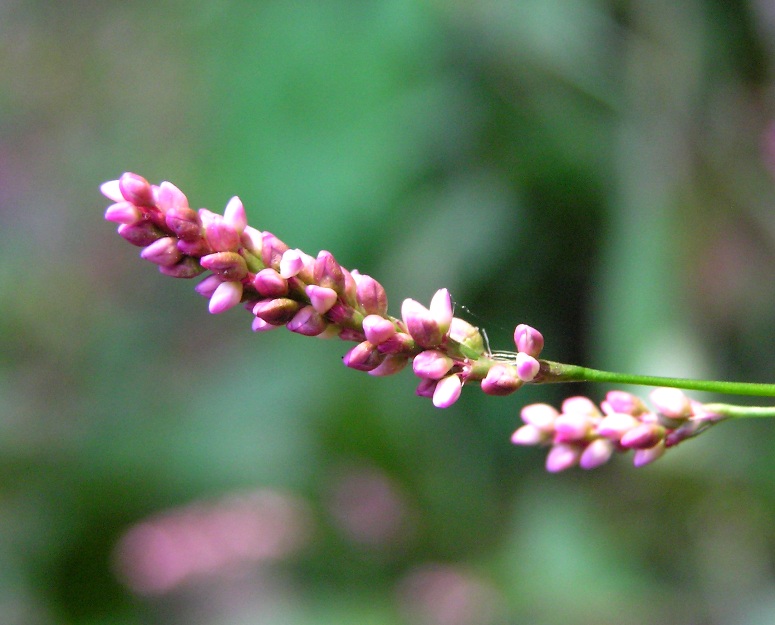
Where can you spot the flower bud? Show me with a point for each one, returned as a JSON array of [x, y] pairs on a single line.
[[431, 364], [501, 379], [229, 265], [169, 197], [399, 342], [112, 190], [420, 324], [140, 234], [623, 402], [643, 436], [616, 425], [447, 391], [198, 248], [163, 252], [226, 295], [362, 357], [123, 213], [466, 334], [207, 286], [562, 457], [671, 402], [370, 295], [328, 273], [136, 190], [572, 427], [378, 329], [322, 298], [597, 453], [251, 240], [392, 364], [580, 405], [541, 416], [307, 321], [186, 268], [529, 435], [269, 283], [642, 457], [221, 236], [272, 250], [441, 310], [184, 222], [278, 311], [528, 340], [234, 215], [527, 367]]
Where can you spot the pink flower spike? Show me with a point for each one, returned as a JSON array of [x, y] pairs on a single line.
[[441, 309], [562, 457], [527, 367], [420, 324], [163, 252], [322, 298], [501, 379], [207, 286], [597, 453], [169, 196], [432, 364], [377, 329], [447, 391], [112, 191], [226, 295], [291, 263], [234, 214], [137, 190], [529, 435], [123, 213], [541, 416], [642, 457], [528, 340]]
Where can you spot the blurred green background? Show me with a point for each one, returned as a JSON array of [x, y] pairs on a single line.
[[599, 169]]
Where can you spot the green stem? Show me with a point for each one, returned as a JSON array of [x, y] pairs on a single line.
[[740, 412], [551, 372]]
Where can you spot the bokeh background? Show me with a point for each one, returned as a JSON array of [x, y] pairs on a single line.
[[600, 169]]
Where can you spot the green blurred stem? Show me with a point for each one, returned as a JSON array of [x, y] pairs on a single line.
[[740, 412], [551, 372]]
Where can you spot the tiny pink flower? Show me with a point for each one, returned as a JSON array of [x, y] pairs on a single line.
[[168, 196], [615, 425], [623, 402], [530, 435], [184, 223], [370, 294], [562, 457], [527, 367], [528, 340], [363, 357], [269, 283], [140, 234], [234, 215], [642, 457], [136, 189], [272, 250], [421, 324], [425, 388], [378, 329], [466, 334], [432, 364], [186, 268], [322, 298], [572, 427], [277, 311], [671, 402], [163, 252], [226, 295], [392, 364], [643, 436], [441, 310], [291, 263], [221, 236], [501, 379], [327, 272], [580, 405], [307, 321], [123, 213], [447, 391], [251, 240], [229, 265], [597, 453], [207, 286], [112, 190], [541, 416], [259, 325]]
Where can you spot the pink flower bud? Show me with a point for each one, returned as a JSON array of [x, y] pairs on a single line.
[[392, 364], [580, 405], [616, 425], [112, 190], [431, 364], [441, 310], [234, 215], [426, 387], [136, 190], [328, 273], [466, 334], [278, 311], [643, 436], [562, 457], [541, 416], [362, 357], [322, 298], [527, 367], [308, 322], [447, 391], [671, 402], [397, 343], [272, 250], [269, 283], [226, 295], [572, 427], [140, 234], [197, 248], [642, 457], [123, 213], [207, 286], [251, 240], [184, 222], [597, 453], [291, 263], [186, 268], [221, 236], [378, 329], [420, 324], [529, 435], [163, 252], [259, 325], [501, 379], [528, 340], [623, 402], [229, 265], [370, 295], [168, 196]]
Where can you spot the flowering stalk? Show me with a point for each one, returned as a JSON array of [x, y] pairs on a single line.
[[316, 296]]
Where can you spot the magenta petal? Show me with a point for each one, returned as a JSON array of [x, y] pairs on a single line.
[[447, 391], [226, 295]]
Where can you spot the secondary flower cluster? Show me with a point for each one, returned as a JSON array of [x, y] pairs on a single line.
[[581, 434], [313, 296]]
